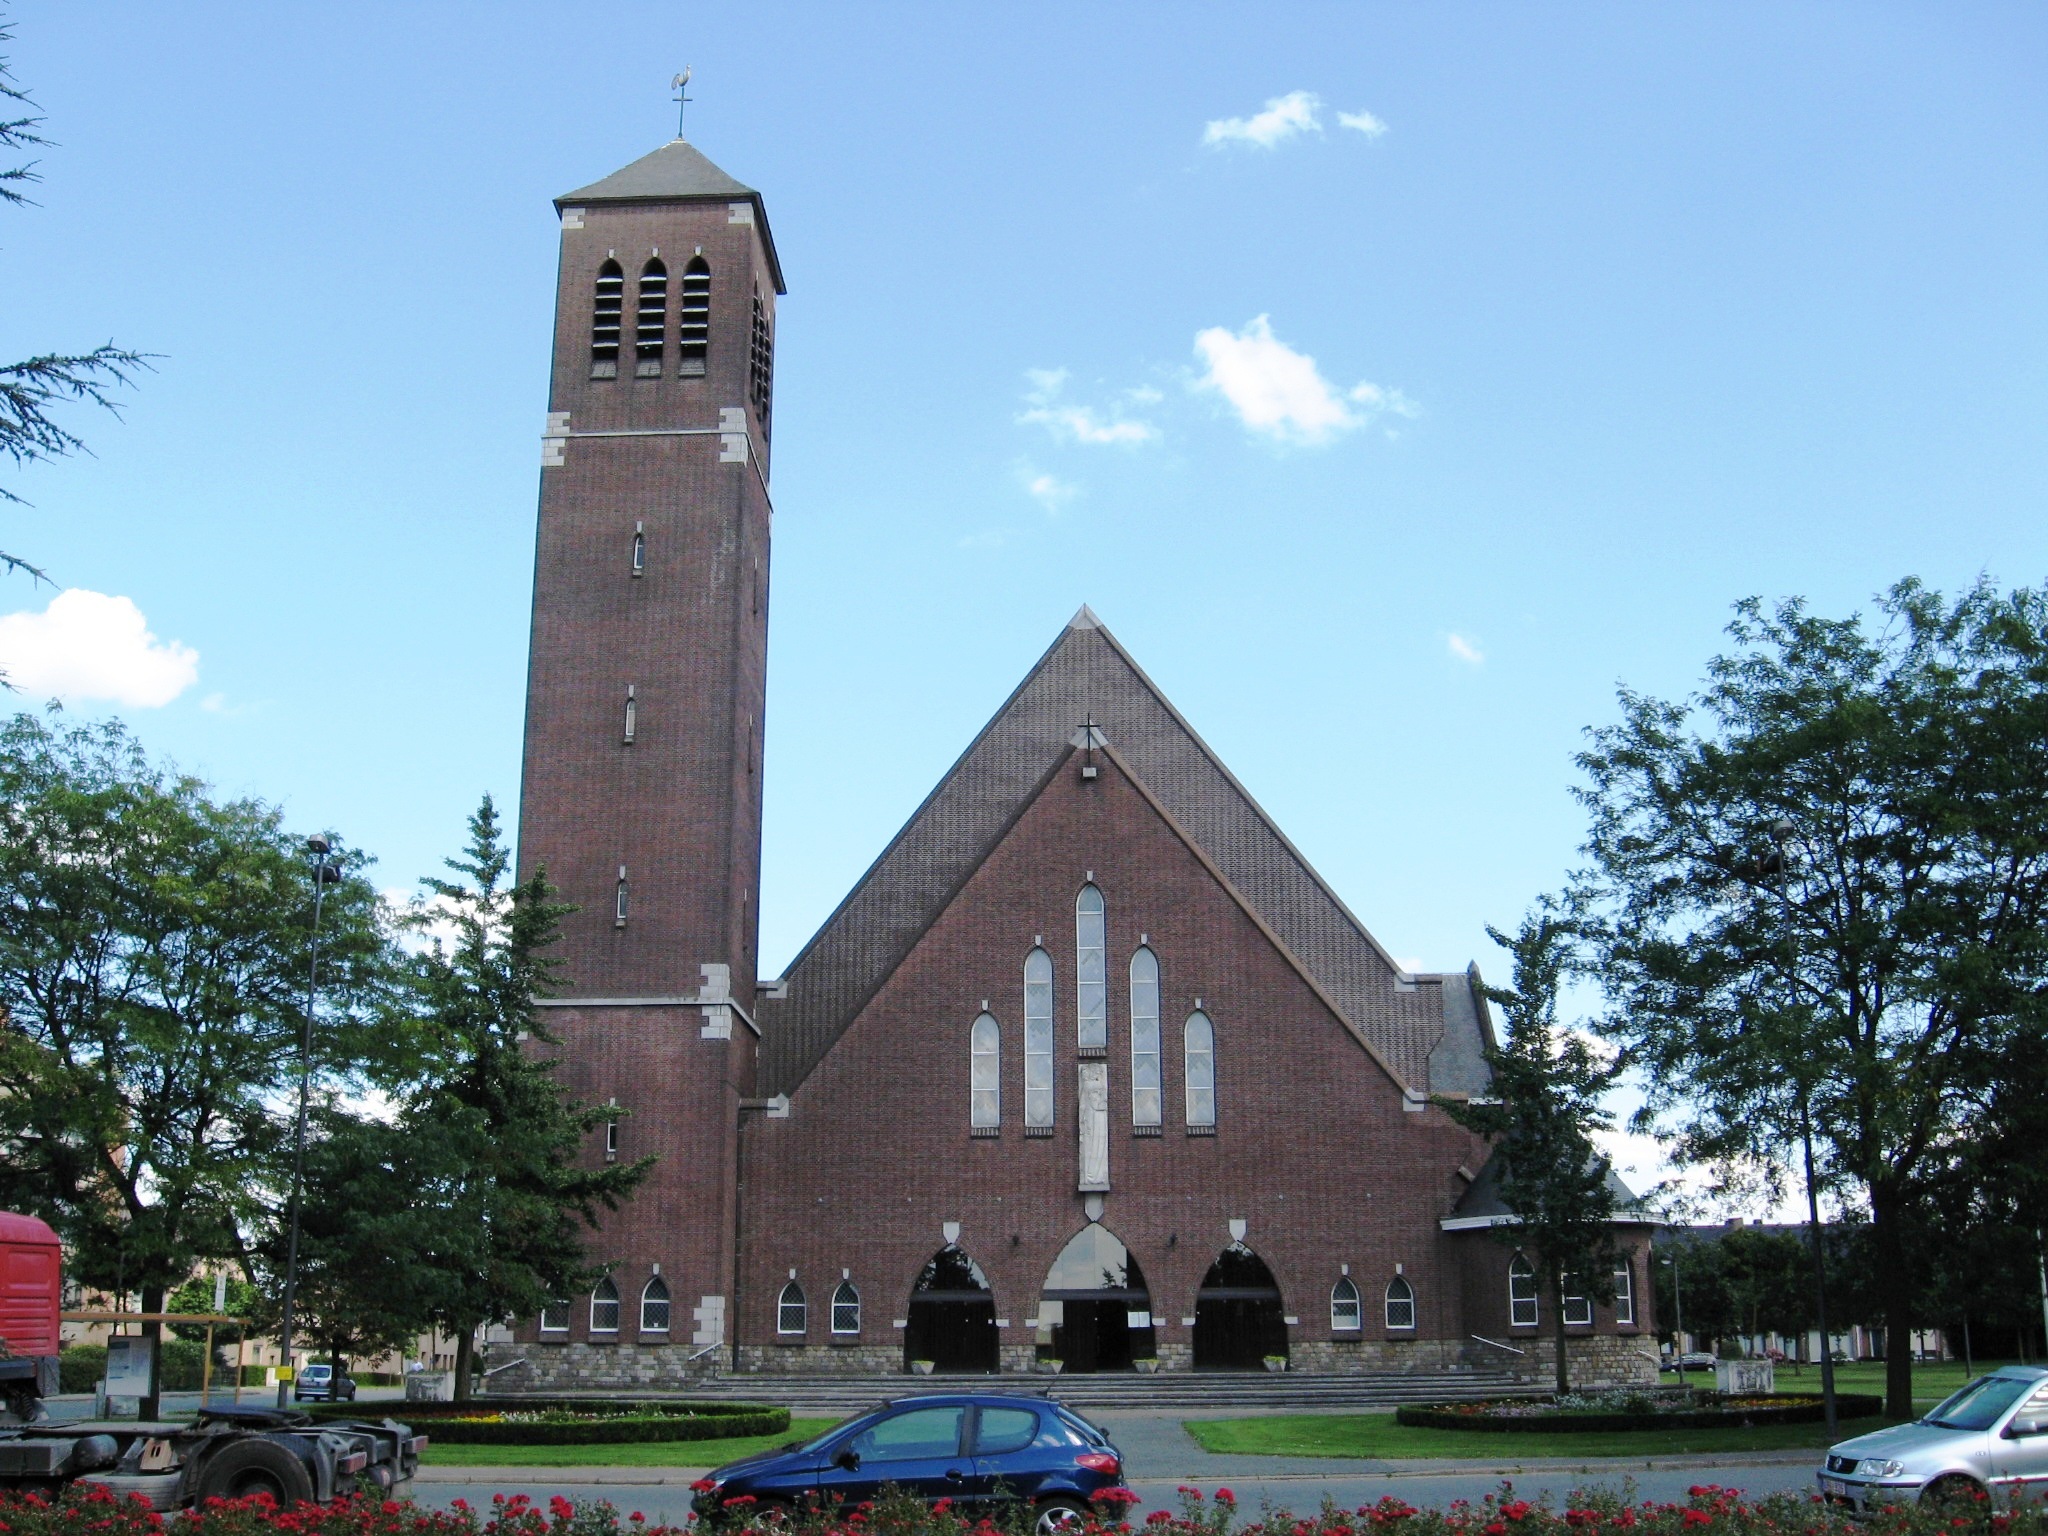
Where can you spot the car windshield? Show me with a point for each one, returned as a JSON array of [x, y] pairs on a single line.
[[834, 1432], [1979, 1405]]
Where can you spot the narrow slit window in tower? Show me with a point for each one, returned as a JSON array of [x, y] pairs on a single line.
[[693, 330], [761, 374], [619, 901], [632, 714], [604, 321], [639, 565], [652, 322]]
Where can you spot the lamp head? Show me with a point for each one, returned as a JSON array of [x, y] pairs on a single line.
[[1782, 830], [318, 845]]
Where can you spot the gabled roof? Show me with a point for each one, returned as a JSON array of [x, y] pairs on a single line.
[[678, 172], [1482, 1204], [1087, 676]]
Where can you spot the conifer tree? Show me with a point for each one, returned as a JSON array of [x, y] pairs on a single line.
[[1542, 1108], [522, 1197]]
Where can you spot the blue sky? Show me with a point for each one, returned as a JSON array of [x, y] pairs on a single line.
[[1616, 314]]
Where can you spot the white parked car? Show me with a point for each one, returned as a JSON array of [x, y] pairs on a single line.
[[1988, 1440]]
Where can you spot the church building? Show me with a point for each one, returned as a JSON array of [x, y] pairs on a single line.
[[1090, 1067]]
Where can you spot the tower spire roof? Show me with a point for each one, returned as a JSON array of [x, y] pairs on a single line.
[[678, 172]]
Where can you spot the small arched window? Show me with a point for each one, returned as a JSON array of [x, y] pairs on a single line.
[[1344, 1307], [554, 1317], [632, 714], [1144, 1038], [1400, 1303], [693, 331], [619, 900], [985, 1072], [604, 1307], [845, 1308], [639, 565], [606, 313], [1091, 988], [792, 1312], [1037, 1039], [762, 364], [654, 1306], [1198, 1064], [651, 324], [1521, 1292], [1625, 1293]]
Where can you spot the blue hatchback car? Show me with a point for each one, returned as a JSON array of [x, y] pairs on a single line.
[[975, 1448]]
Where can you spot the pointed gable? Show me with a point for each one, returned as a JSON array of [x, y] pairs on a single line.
[[1087, 675]]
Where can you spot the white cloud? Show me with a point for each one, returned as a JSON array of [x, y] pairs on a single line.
[[1079, 423], [1279, 392], [1049, 491], [1282, 118], [1364, 122], [1466, 650], [87, 645]]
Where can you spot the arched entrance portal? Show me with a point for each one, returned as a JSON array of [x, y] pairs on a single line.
[[1238, 1317], [952, 1316], [1095, 1313]]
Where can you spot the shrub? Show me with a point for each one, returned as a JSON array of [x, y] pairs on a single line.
[[81, 1367], [1566, 1415], [575, 1421]]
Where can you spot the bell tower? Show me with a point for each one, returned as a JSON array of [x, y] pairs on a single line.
[[644, 707]]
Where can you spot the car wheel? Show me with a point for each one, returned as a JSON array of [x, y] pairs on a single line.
[[249, 1467], [1059, 1517], [1952, 1492], [770, 1515]]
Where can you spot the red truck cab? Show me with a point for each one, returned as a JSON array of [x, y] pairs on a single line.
[[31, 1273]]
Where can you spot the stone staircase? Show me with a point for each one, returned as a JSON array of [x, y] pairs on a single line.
[[1212, 1392]]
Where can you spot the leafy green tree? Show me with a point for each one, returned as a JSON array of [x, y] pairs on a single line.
[[1543, 1111], [32, 389], [153, 954], [1823, 891], [244, 1301], [526, 1195]]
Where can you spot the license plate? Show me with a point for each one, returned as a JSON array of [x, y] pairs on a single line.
[[1835, 1486]]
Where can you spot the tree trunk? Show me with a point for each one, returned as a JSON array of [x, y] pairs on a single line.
[[465, 1350], [152, 1405], [1564, 1375], [1895, 1299]]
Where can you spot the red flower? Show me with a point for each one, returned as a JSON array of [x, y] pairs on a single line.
[[1698, 1517], [702, 1485], [1225, 1496]]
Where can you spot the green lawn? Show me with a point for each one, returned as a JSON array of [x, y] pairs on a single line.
[[661, 1453], [1375, 1436], [1932, 1381]]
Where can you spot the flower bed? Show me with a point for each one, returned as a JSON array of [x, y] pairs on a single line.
[[1636, 1410], [1707, 1511], [581, 1421]]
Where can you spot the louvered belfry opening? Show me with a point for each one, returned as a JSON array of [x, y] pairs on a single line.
[[693, 331], [761, 382], [604, 321], [652, 324]]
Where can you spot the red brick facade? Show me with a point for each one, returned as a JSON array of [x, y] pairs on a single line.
[[820, 1128]]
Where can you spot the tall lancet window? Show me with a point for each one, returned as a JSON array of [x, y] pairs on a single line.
[[1144, 1038], [1198, 1060], [761, 373], [632, 715], [619, 900], [1091, 990], [639, 565], [652, 322], [985, 1073], [693, 331], [1037, 1039], [604, 321]]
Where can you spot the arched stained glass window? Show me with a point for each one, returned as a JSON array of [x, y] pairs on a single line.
[[985, 1073], [1091, 978], [1344, 1306], [693, 330], [1198, 1064], [654, 1307], [651, 324], [1400, 1303], [1037, 1039], [1145, 1038], [845, 1308], [604, 1307], [605, 316], [792, 1312], [1521, 1292]]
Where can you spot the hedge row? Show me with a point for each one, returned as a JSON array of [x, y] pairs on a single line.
[[1791, 1409], [82, 1367], [661, 1421]]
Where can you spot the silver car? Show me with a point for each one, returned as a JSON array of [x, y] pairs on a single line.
[[1990, 1439]]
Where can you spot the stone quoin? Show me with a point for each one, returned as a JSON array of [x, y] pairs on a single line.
[[1090, 1067]]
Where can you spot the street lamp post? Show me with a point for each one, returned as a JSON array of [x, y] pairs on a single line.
[[325, 872], [1781, 833], [1678, 1323]]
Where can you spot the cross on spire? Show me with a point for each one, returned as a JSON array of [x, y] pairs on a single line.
[[681, 86]]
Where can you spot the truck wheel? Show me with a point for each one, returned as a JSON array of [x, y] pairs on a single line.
[[257, 1466]]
